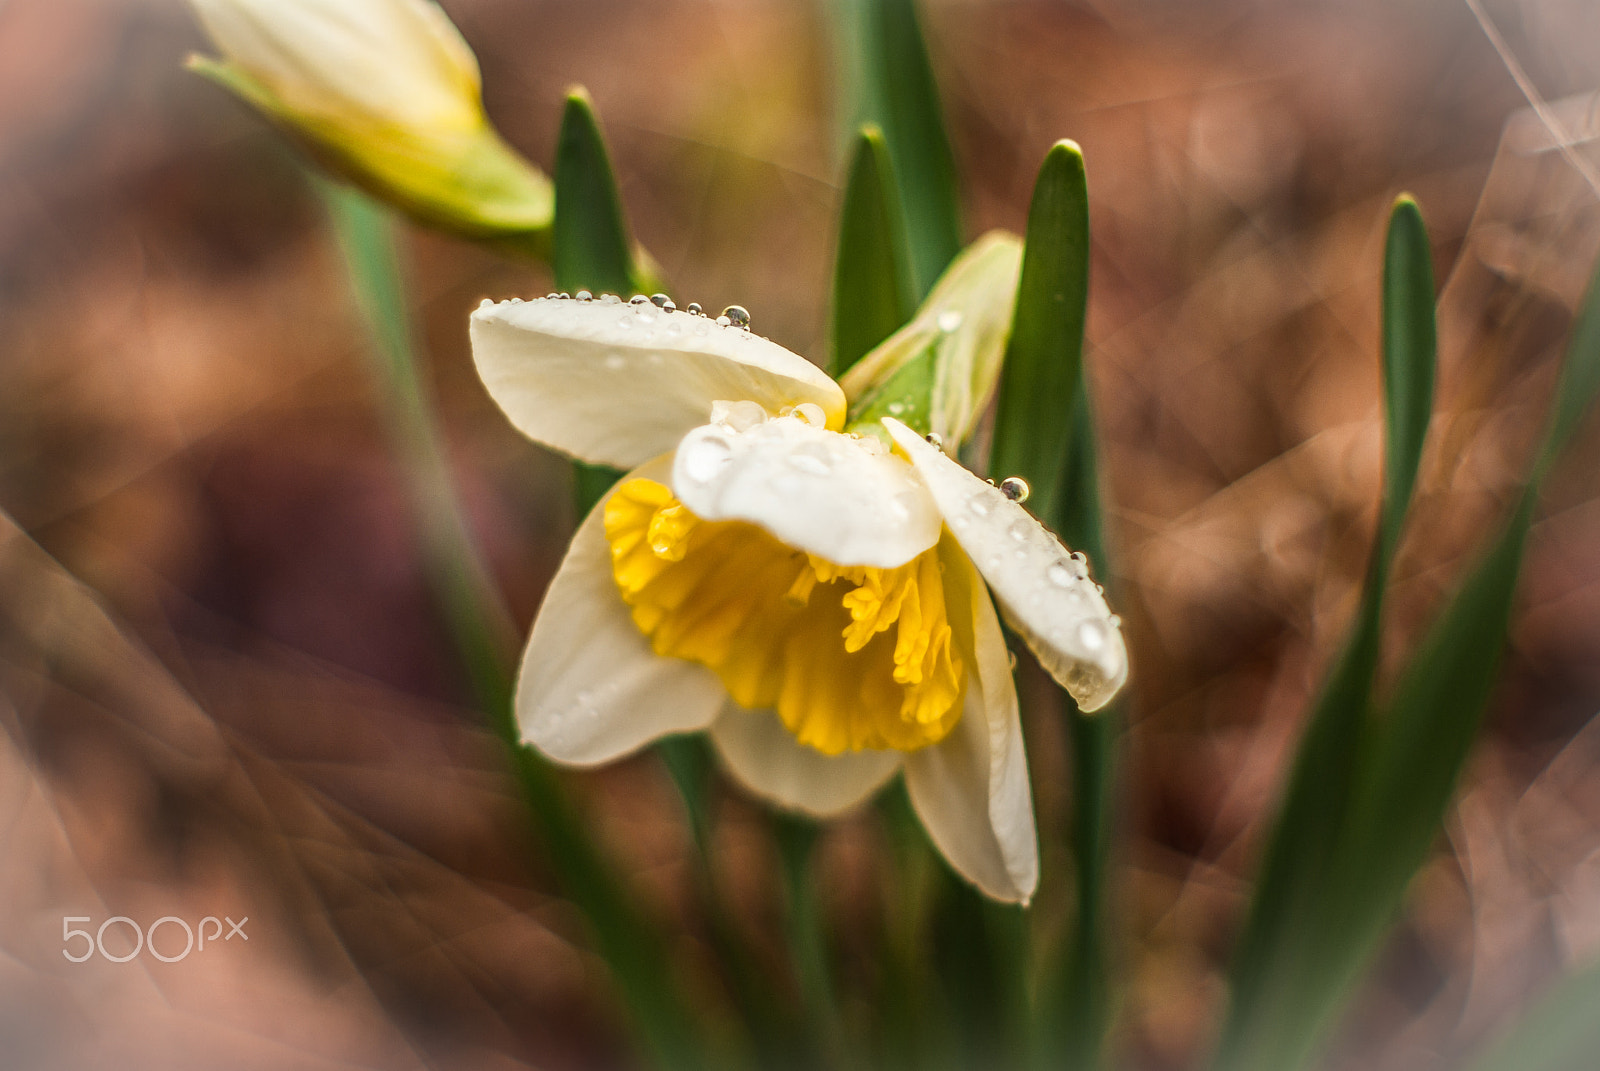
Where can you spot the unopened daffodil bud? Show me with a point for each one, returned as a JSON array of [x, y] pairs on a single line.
[[387, 93], [937, 373]]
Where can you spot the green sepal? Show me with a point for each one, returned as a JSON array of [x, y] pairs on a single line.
[[938, 372]]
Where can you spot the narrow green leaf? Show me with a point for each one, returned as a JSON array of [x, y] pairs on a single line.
[[632, 948], [1296, 878], [1561, 1033], [590, 248], [1075, 999], [1413, 756], [871, 291], [887, 63], [1410, 345], [1039, 381]]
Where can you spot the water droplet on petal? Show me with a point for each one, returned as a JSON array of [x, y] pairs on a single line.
[[935, 439], [812, 458], [584, 295], [1061, 575], [1092, 635], [694, 309], [610, 299], [646, 317], [1016, 488], [812, 414], [660, 301], [737, 315], [950, 320], [979, 504], [738, 416], [551, 296], [705, 457], [904, 505], [638, 299], [485, 303], [564, 296], [1020, 531], [723, 321]]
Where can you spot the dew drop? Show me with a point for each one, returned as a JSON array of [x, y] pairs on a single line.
[[811, 413], [723, 321], [950, 320], [737, 315], [1061, 575], [903, 505], [610, 299], [738, 416], [646, 317], [704, 458], [1020, 531], [551, 296], [979, 504], [638, 299], [935, 439], [1092, 635], [1016, 488], [811, 458], [694, 309], [564, 296], [584, 295], [660, 301]]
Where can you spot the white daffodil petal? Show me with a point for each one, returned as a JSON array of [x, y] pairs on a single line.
[[841, 497], [1045, 592], [615, 383], [971, 789], [591, 689], [765, 758]]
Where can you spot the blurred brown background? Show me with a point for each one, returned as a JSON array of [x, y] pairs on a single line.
[[223, 686]]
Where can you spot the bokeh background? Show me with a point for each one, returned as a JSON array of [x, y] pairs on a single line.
[[224, 688]]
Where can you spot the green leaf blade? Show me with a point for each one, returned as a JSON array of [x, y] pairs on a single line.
[[590, 246], [895, 90], [1410, 348], [1297, 884], [1413, 757], [1044, 358], [871, 287]]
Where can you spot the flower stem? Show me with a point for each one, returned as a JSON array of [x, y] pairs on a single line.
[[484, 637]]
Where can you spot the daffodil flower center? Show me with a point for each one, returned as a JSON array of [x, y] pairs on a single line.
[[850, 657]]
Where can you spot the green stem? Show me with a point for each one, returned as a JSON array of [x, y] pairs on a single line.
[[484, 637], [804, 929]]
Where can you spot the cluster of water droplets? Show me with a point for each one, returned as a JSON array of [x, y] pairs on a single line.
[[731, 316], [1045, 587]]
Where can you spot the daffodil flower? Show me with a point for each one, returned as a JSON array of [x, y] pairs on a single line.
[[389, 94], [817, 600]]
